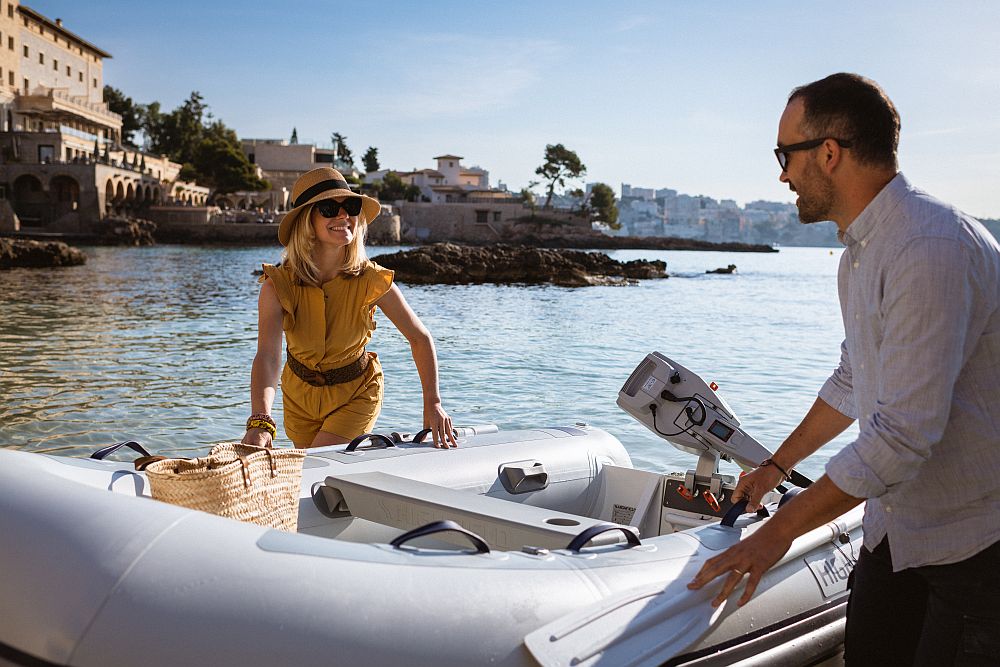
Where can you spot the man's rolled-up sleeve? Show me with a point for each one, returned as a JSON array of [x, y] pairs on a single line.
[[838, 390]]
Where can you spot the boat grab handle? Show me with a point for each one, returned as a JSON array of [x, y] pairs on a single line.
[[386, 442], [738, 508], [423, 433], [440, 527], [581, 540], [131, 444]]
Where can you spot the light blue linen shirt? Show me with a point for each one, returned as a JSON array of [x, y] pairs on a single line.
[[919, 288]]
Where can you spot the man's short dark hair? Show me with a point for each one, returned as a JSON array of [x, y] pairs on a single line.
[[851, 107]]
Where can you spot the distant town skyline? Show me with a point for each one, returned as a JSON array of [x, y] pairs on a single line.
[[674, 95]]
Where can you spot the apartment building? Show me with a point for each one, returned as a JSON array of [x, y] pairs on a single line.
[[449, 183], [61, 159], [280, 163]]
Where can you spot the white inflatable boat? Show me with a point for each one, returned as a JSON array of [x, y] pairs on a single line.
[[528, 547]]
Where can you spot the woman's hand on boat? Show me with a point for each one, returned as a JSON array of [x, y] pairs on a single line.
[[438, 421], [750, 558], [755, 484], [257, 437]]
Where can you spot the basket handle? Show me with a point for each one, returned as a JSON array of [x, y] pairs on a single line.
[[439, 527], [246, 470], [270, 460]]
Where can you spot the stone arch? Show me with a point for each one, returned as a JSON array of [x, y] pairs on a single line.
[[27, 185], [156, 195], [65, 193], [130, 193], [109, 193], [30, 200], [148, 194], [224, 203], [119, 193]]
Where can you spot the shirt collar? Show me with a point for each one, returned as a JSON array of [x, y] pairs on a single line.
[[878, 209]]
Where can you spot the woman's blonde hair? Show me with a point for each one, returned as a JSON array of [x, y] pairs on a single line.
[[298, 253]]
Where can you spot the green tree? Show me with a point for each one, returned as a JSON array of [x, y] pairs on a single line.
[[602, 205], [209, 152], [221, 165], [295, 137], [370, 159], [340, 146], [392, 188], [560, 163], [131, 113], [177, 134], [527, 196]]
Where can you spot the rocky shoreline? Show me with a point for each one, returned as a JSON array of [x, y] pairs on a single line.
[[450, 264], [604, 242], [23, 253], [42, 251]]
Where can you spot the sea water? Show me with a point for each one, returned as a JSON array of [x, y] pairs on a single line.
[[155, 345]]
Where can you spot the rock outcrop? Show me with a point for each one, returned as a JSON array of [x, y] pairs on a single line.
[[125, 231], [16, 253], [725, 270], [450, 264]]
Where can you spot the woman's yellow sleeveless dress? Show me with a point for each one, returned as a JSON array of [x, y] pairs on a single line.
[[325, 328]]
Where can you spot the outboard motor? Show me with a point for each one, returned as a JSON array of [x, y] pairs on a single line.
[[681, 408], [684, 410]]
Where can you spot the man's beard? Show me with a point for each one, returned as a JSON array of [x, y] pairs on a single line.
[[815, 197]]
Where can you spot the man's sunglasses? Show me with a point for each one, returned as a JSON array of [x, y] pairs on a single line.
[[781, 152], [330, 208]]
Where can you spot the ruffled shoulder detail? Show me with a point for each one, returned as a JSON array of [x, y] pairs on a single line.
[[282, 280], [378, 281]]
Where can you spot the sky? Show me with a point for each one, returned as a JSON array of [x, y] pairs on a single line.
[[683, 95]]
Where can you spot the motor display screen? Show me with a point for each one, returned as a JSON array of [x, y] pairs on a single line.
[[720, 430]]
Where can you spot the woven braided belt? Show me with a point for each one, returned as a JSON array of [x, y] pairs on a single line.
[[351, 371]]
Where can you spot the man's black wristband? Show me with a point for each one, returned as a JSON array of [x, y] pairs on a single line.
[[770, 462]]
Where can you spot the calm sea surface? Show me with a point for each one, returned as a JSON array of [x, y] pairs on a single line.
[[155, 345]]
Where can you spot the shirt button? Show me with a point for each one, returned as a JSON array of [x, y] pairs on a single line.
[[862, 366], [864, 243], [888, 509], [856, 264], [856, 316]]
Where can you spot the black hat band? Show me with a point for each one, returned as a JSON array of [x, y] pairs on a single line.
[[322, 186]]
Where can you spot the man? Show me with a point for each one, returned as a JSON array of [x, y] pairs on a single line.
[[919, 286]]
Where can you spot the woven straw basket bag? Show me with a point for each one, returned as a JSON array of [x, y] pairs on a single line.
[[255, 484]]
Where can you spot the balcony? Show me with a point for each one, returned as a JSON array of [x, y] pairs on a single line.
[[57, 103]]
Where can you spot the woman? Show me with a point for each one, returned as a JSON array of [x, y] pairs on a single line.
[[323, 297]]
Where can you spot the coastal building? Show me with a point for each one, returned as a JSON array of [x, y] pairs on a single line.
[[449, 183], [666, 212], [280, 163], [62, 164], [456, 203]]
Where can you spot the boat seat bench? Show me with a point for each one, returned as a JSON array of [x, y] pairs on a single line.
[[406, 504]]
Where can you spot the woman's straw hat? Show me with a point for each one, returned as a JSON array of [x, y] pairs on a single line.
[[317, 185]]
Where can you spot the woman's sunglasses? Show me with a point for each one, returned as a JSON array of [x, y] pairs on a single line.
[[330, 208]]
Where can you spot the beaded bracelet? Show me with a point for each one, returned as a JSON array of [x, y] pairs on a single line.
[[262, 425], [264, 422]]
